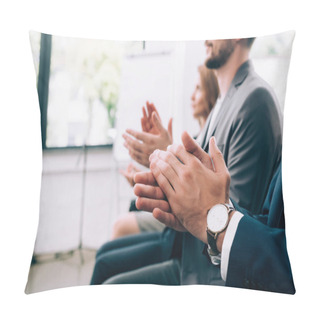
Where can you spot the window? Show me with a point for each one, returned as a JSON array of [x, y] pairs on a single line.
[[78, 87]]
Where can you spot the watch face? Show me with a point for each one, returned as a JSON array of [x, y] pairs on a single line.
[[217, 218]]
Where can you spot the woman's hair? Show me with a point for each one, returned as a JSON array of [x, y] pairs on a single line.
[[210, 85]]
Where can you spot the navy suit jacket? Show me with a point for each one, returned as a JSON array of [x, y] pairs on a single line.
[[258, 256]]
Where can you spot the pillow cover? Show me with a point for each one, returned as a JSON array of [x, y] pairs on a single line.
[[91, 91]]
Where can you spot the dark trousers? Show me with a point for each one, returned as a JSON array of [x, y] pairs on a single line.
[[131, 253]]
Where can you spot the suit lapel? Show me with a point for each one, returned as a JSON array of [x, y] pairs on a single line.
[[205, 130], [236, 82]]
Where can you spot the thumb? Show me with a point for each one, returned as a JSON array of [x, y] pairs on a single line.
[[170, 128], [217, 156], [193, 147]]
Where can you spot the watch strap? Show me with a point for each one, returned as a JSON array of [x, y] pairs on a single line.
[[212, 242], [212, 238], [215, 259]]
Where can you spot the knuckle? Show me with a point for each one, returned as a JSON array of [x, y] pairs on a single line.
[[167, 156], [226, 178], [137, 156], [186, 175], [154, 169], [193, 162], [151, 141], [137, 146], [158, 193], [173, 148], [164, 166], [161, 184], [219, 154], [170, 148], [179, 148]]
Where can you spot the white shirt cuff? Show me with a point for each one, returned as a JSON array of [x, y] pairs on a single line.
[[227, 243]]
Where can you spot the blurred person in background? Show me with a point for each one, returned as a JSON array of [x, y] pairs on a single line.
[[203, 99]]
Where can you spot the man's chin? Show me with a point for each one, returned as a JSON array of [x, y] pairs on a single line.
[[211, 64]]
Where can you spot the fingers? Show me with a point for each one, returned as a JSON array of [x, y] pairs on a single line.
[[151, 108], [146, 120], [145, 126], [157, 122], [147, 191], [167, 157], [193, 147], [128, 175], [129, 172], [217, 157], [125, 173], [146, 204], [168, 219], [145, 178], [132, 143], [180, 152], [170, 128], [162, 181], [131, 168], [138, 156], [134, 169], [144, 113], [159, 167], [138, 151], [142, 136], [130, 180]]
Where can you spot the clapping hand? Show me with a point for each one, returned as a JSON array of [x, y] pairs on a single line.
[[154, 136], [129, 173], [185, 183]]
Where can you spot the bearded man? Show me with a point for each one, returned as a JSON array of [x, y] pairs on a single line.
[[247, 126]]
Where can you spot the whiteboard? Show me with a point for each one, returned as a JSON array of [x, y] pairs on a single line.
[[145, 77]]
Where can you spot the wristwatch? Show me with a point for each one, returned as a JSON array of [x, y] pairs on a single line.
[[217, 222]]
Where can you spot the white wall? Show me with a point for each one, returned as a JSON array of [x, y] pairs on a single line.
[[106, 193], [68, 194], [187, 57]]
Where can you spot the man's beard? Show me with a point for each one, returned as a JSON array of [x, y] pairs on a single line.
[[221, 57]]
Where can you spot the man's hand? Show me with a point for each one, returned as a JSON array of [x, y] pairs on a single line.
[[191, 186], [129, 173], [152, 199], [142, 144]]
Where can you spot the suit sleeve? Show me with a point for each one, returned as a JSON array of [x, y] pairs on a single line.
[[258, 258], [254, 150]]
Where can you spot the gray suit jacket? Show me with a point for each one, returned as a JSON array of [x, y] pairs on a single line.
[[248, 131]]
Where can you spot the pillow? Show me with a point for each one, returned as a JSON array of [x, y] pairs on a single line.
[[91, 91]]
